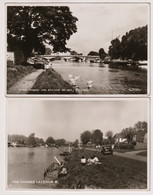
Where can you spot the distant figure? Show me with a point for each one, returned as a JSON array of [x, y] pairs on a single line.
[[89, 83], [48, 65], [83, 160], [45, 174]]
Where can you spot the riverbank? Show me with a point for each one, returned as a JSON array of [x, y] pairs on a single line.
[[17, 72], [50, 82], [114, 173]]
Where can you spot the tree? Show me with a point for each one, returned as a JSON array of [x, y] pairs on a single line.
[[61, 142], [141, 126], [109, 135], [32, 140], [73, 53], [115, 49], [50, 141], [128, 134], [35, 25], [85, 137], [93, 53], [76, 142], [102, 53], [97, 137]]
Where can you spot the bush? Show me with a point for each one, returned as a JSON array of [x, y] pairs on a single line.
[[124, 146]]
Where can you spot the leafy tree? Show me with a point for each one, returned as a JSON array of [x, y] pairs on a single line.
[[133, 45], [33, 26], [109, 135], [76, 142], [93, 53], [85, 137], [73, 53], [128, 134], [115, 49], [50, 141], [102, 53], [32, 140], [141, 126], [61, 142], [97, 137]]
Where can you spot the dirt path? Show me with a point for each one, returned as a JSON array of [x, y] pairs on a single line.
[[25, 84], [132, 155]]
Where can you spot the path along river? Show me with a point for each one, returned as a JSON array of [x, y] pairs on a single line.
[[106, 80]]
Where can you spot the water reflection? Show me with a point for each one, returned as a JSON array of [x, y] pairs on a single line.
[[106, 79]]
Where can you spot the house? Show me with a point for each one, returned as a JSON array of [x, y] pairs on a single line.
[[118, 138]]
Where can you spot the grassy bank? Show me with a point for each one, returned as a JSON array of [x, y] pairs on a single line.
[[114, 173], [142, 153], [50, 82], [15, 73]]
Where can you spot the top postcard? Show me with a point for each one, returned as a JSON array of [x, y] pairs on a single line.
[[72, 49]]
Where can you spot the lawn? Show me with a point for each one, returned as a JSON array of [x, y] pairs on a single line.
[[16, 72], [114, 173], [50, 82], [144, 153]]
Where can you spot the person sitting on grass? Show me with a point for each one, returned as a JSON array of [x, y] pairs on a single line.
[[95, 159], [83, 160], [90, 160]]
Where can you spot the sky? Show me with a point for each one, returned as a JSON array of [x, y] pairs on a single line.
[[99, 23], [69, 118]]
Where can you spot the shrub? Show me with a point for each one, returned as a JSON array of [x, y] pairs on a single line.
[[124, 146]]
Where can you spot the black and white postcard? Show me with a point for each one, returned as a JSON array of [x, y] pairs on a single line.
[[78, 48], [94, 144]]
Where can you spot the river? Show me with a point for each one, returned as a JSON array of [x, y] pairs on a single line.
[[105, 80], [28, 165]]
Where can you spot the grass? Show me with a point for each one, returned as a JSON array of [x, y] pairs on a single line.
[[16, 72], [114, 173], [50, 82], [142, 153]]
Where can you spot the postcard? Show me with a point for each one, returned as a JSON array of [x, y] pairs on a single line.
[[78, 49], [88, 144]]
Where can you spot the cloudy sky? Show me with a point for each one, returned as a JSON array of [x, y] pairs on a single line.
[[99, 23], [69, 118]]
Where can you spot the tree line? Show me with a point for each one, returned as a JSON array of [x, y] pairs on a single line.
[[96, 136], [133, 45], [34, 141]]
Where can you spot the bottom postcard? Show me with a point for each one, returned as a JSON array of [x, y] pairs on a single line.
[[77, 144]]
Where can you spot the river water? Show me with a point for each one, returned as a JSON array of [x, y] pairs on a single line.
[[28, 165], [105, 80]]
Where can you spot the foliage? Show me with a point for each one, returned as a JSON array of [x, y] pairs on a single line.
[[85, 137], [109, 135], [76, 142], [124, 145], [128, 133], [33, 26], [97, 137], [50, 141], [21, 139], [60, 142], [102, 53], [93, 53], [32, 140], [133, 45], [141, 126]]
